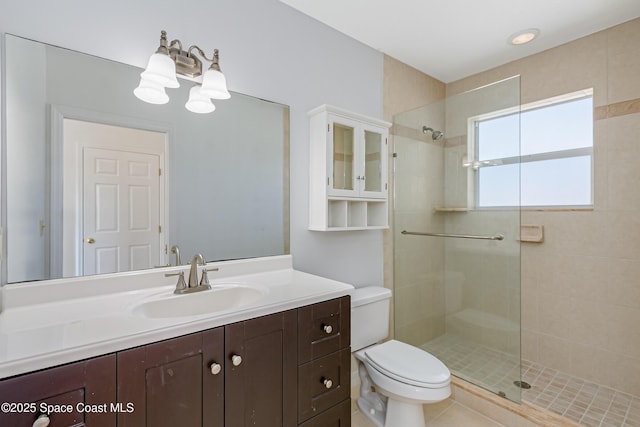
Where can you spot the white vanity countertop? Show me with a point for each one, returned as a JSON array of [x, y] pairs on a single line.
[[61, 321]]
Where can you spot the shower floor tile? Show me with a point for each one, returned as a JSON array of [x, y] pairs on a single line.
[[577, 399], [580, 400], [486, 367]]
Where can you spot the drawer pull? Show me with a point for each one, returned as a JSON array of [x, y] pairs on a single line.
[[327, 382], [215, 368], [42, 421], [327, 329], [236, 360]]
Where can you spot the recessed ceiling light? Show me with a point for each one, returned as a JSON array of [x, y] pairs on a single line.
[[524, 36]]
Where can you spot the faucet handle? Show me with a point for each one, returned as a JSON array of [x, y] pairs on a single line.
[[181, 285], [204, 280]]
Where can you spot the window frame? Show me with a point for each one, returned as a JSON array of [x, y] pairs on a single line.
[[473, 165]]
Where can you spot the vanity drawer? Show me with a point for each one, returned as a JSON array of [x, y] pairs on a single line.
[[323, 383], [338, 416], [323, 328]]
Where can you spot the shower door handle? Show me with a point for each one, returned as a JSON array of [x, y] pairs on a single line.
[[457, 236]]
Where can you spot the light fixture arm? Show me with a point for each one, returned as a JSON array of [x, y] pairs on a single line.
[[187, 63], [200, 52], [214, 59]]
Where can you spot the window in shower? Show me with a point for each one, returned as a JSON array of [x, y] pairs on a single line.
[[540, 156]]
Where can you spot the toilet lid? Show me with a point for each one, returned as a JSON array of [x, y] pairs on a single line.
[[408, 364]]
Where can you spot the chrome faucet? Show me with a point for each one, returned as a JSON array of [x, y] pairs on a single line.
[[176, 250], [193, 272], [192, 285]]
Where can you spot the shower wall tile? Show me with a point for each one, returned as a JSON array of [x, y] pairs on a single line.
[[554, 352], [601, 142], [414, 269], [567, 68], [624, 234], [571, 67], [623, 334], [529, 350], [624, 63], [406, 88], [622, 151], [530, 304], [622, 283], [555, 315]]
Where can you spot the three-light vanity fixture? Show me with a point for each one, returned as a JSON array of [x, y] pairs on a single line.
[[170, 60]]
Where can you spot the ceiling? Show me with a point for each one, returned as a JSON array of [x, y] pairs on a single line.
[[452, 39]]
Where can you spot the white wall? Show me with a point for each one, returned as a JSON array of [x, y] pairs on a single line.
[[25, 185], [267, 50]]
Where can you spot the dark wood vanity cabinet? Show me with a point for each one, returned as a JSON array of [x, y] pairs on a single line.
[[242, 374], [324, 357], [174, 382], [73, 395], [262, 389], [286, 369]]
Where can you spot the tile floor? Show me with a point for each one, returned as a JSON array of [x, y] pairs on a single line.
[[587, 403], [486, 367], [579, 400], [443, 414]]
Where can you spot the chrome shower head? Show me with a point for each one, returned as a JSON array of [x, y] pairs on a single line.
[[435, 134]]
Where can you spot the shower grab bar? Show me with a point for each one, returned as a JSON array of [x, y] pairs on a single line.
[[457, 236]]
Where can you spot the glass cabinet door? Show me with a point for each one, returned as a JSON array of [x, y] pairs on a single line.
[[372, 161], [343, 157]]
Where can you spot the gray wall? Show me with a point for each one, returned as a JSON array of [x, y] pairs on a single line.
[[267, 50]]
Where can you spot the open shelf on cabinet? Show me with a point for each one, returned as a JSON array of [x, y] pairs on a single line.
[[344, 214]]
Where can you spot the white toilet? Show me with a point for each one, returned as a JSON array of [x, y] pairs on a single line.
[[405, 377]]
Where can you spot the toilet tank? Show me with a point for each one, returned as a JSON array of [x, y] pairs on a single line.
[[369, 316]]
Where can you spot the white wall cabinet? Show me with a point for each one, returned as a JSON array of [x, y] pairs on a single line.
[[348, 171]]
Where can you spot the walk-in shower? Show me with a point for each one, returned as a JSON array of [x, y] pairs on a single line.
[[457, 263], [457, 266]]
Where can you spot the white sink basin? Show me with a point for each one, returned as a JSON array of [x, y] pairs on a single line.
[[218, 298]]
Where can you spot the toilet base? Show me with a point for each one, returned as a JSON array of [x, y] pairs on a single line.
[[376, 416], [397, 413], [401, 413]]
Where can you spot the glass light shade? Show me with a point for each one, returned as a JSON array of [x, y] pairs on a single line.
[[214, 85], [199, 103], [161, 69], [151, 91]]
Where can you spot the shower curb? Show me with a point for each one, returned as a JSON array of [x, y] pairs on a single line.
[[485, 402]]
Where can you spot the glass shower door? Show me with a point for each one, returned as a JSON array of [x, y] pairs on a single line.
[[457, 261]]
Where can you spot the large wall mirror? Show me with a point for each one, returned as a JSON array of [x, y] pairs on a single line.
[[96, 181]]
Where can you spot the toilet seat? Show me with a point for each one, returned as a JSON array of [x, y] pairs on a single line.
[[408, 364]]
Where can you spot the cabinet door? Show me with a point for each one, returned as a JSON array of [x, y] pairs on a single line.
[[171, 383], [341, 161], [91, 382], [373, 163], [261, 372]]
